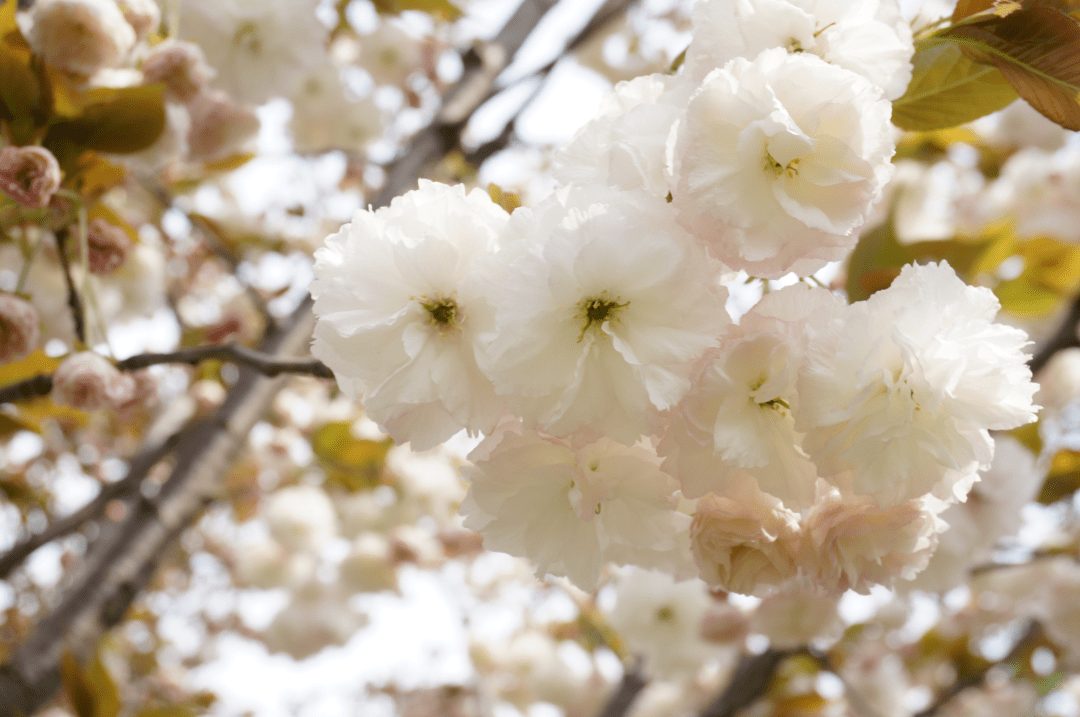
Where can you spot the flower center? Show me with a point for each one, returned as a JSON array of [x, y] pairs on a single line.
[[595, 310], [442, 313], [247, 37], [791, 169]]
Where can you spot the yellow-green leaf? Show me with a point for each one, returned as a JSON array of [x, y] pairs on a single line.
[[948, 89], [92, 691], [129, 120], [441, 9], [352, 463]]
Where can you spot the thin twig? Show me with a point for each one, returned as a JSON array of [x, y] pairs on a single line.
[[1033, 633], [74, 302], [265, 364], [40, 385], [137, 470]]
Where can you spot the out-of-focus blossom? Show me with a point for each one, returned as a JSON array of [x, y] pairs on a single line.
[[180, 66], [326, 117], [796, 616], [219, 126], [144, 16], [88, 382], [19, 328], [318, 616], [108, 246], [81, 36], [29, 175], [390, 54], [301, 517]]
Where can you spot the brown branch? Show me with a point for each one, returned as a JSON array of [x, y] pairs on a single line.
[[74, 302], [752, 678], [1065, 337], [40, 385], [1031, 635], [137, 470], [620, 702], [266, 364]]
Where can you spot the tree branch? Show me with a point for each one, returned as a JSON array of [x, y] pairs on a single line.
[[137, 470], [39, 385], [633, 682], [752, 678], [266, 364], [1066, 337], [1031, 635]]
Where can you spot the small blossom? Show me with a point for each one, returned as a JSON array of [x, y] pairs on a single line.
[[108, 245], [301, 517], [80, 36], [746, 543], [29, 175], [88, 382], [796, 615], [180, 66], [19, 330], [219, 126], [144, 16]]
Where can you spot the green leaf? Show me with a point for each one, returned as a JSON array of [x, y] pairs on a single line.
[[441, 9], [1037, 50], [352, 463], [875, 262], [121, 121], [948, 89], [92, 691]]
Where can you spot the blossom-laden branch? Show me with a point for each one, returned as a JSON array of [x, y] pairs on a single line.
[[751, 679], [1065, 337], [1033, 633], [265, 364], [138, 469], [122, 560]]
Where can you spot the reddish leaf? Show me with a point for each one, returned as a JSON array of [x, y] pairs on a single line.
[[1037, 49]]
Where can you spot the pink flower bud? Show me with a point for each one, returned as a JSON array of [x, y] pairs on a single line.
[[29, 175], [218, 126], [180, 66], [87, 381], [19, 332], [108, 245]]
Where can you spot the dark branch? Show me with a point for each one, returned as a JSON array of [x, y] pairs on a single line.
[[633, 682], [40, 385], [752, 678], [74, 302], [1066, 337], [137, 470], [265, 364], [1033, 633]]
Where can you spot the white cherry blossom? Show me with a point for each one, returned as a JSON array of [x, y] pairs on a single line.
[[602, 305], [399, 317], [779, 160]]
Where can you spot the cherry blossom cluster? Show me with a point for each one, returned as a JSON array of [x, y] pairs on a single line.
[[626, 417]]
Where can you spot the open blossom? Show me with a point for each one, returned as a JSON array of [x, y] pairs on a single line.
[[180, 66], [746, 543], [868, 37], [29, 175], [796, 615], [80, 36], [779, 160], [737, 419], [571, 507], [87, 381], [602, 305], [260, 48], [326, 117], [900, 389], [854, 545], [19, 330], [400, 318], [625, 144], [219, 126], [301, 517], [108, 246]]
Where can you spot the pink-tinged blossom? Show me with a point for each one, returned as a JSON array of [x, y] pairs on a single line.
[[853, 544], [625, 144], [571, 507], [108, 246], [900, 389], [29, 175], [400, 318], [602, 305], [88, 382], [746, 543], [737, 420], [19, 328], [180, 66], [779, 160], [219, 126], [868, 37], [796, 615], [81, 36]]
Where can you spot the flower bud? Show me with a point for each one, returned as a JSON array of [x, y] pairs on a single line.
[[29, 175], [87, 381], [180, 66], [108, 245], [219, 126], [80, 36], [19, 333]]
